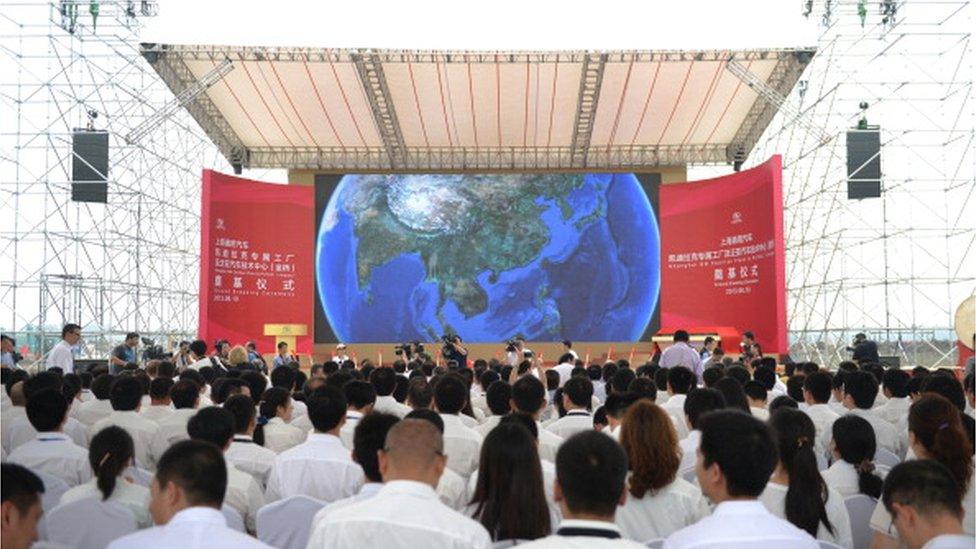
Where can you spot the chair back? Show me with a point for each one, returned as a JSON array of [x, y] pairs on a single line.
[[828, 545], [234, 519], [655, 543], [286, 524], [859, 509], [885, 457], [89, 523]]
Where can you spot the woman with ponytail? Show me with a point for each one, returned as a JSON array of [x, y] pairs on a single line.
[[853, 446], [110, 453], [273, 428], [935, 431], [796, 491]]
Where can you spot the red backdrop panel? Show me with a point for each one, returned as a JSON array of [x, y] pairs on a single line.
[[722, 254], [256, 254]]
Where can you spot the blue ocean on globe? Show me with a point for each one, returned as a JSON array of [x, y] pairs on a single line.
[[489, 257]]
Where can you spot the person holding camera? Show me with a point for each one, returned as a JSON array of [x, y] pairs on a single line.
[[9, 357], [516, 351], [453, 350], [864, 350], [124, 353]]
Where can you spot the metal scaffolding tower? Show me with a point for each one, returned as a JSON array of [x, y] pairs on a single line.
[[895, 267], [130, 264]]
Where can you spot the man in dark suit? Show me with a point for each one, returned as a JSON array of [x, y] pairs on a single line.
[[865, 351]]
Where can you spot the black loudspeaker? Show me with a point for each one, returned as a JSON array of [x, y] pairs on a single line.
[[864, 163], [89, 166]]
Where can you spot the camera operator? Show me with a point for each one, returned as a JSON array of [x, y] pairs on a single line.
[[182, 358], [10, 357], [750, 348], [453, 350], [124, 353], [516, 352], [864, 350]]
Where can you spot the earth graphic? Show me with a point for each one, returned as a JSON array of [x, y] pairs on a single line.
[[549, 257]]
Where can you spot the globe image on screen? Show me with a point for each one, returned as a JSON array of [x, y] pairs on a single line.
[[549, 257]]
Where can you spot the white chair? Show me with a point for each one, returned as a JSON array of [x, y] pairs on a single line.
[[655, 543], [690, 476], [89, 523], [885, 457], [822, 463], [54, 488], [285, 524], [859, 509], [234, 519], [139, 475], [828, 545]]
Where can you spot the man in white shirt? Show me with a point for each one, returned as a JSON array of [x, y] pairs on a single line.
[[243, 453], [565, 369], [17, 428], [185, 396], [216, 426], [577, 395], [187, 493], [585, 460], [52, 451], [384, 381], [735, 459], [568, 349], [452, 488], [498, 398], [680, 381], [160, 405], [368, 439], [529, 397], [360, 397], [756, 397], [61, 355], [816, 395], [198, 355], [894, 384], [21, 508], [405, 513], [681, 354], [320, 467], [923, 499], [126, 398], [860, 390], [462, 443], [698, 403], [91, 411], [340, 355]]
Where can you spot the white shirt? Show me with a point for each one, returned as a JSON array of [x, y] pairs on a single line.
[[490, 423], [193, 528], [740, 525], [681, 354], [689, 452], [156, 413], [55, 454], [564, 370], [947, 541], [893, 410], [250, 457], [349, 428], [774, 498], [280, 436], [134, 497], [842, 477], [675, 407], [468, 421], [403, 514], [452, 490], [21, 432], [461, 444], [389, 405], [823, 418], [367, 491], [881, 519], [549, 443], [61, 357], [884, 432], [583, 542], [172, 429], [660, 514], [91, 411], [244, 494], [142, 431], [573, 422], [319, 468]]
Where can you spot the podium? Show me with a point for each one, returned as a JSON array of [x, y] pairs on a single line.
[[286, 333]]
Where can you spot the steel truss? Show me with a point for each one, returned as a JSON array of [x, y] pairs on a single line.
[[894, 267], [129, 265]]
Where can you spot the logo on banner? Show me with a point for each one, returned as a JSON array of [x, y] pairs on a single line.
[[220, 224], [736, 218]]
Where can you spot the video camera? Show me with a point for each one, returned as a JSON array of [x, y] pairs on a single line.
[[151, 351]]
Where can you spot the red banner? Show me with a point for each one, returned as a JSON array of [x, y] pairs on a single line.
[[722, 254], [256, 260]]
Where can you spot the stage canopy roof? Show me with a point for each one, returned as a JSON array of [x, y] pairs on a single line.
[[367, 110]]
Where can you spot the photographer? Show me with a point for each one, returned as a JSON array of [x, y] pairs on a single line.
[[864, 350], [453, 350], [124, 353], [182, 358], [10, 358], [516, 352]]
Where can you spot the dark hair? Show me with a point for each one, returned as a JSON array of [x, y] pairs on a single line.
[[68, 328], [807, 494], [212, 424], [926, 485], [256, 382], [428, 415], [20, 486], [368, 439], [731, 390], [419, 393], [856, 444], [15, 377], [224, 388], [40, 382], [283, 377], [651, 443], [109, 454], [198, 347], [499, 397], [862, 387], [46, 410], [948, 387], [681, 335], [818, 384], [621, 380], [198, 468], [680, 379], [384, 380], [661, 379], [755, 390], [241, 408], [896, 381], [702, 401], [450, 394], [592, 470], [738, 373], [271, 400], [742, 446], [159, 387], [359, 394], [509, 497], [765, 376], [184, 393], [783, 401], [528, 394], [643, 387], [937, 426], [712, 374], [326, 408], [552, 379], [579, 390], [400, 391]]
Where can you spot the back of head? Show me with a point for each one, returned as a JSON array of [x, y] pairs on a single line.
[[735, 397], [499, 397], [256, 382], [622, 379], [783, 401], [368, 439], [284, 377], [528, 394], [429, 416], [450, 394], [109, 454], [46, 410], [126, 394], [184, 394], [412, 446], [862, 388], [20, 487], [738, 373], [199, 348], [579, 390], [359, 394], [925, 485], [384, 380], [241, 407], [855, 442], [680, 380], [42, 381], [212, 424], [651, 443], [755, 391], [805, 499], [643, 387], [766, 376], [198, 468], [742, 446], [681, 335], [818, 384], [159, 388], [700, 402], [937, 426], [326, 408], [419, 393], [895, 380], [712, 374], [946, 386], [591, 469]]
